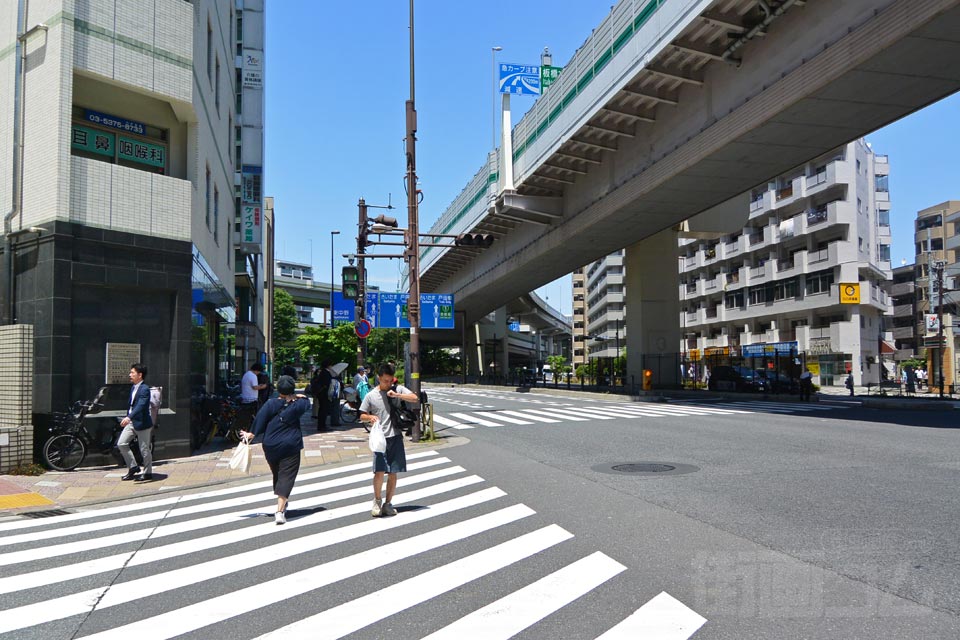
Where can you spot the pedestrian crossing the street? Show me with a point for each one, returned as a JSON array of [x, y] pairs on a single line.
[[585, 411], [214, 562]]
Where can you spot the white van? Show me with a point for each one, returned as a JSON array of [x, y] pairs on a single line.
[[547, 373]]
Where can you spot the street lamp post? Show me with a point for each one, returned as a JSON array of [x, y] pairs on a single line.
[[493, 109], [332, 233], [413, 235]]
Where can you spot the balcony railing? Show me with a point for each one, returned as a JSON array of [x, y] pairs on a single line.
[[785, 265], [786, 192], [756, 238], [757, 272], [692, 287], [816, 216], [818, 178], [819, 256], [733, 278], [731, 247], [712, 312]]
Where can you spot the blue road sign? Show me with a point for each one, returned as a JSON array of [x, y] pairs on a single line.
[[514, 326], [393, 310], [436, 311], [520, 79], [373, 308], [343, 310]]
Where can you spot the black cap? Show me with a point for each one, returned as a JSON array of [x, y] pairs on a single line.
[[286, 385]]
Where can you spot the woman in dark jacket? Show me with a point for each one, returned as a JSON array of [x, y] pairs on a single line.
[[278, 421]]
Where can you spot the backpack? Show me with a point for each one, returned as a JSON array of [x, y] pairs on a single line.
[[333, 391], [402, 417]]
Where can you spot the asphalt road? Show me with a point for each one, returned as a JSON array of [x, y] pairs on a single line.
[[777, 521]]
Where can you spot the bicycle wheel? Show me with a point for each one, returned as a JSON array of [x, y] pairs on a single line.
[[64, 452], [348, 414]]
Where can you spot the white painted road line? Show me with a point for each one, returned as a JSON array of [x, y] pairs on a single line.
[[201, 614], [663, 618], [470, 418], [446, 422], [530, 414], [498, 415], [364, 611], [512, 614]]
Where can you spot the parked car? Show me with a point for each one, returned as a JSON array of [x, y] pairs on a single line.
[[725, 378], [779, 382]]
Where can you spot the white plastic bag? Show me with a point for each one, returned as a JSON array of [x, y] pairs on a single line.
[[241, 458], [377, 442]]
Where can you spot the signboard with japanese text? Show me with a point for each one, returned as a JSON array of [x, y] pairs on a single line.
[[436, 311], [548, 75], [251, 184], [849, 292], [120, 355], [252, 69], [372, 308], [393, 310], [113, 122], [141, 152], [250, 224], [519, 79], [93, 141], [344, 311], [763, 349]]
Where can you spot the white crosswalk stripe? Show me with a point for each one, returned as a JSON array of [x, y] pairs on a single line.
[[83, 574], [663, 618]]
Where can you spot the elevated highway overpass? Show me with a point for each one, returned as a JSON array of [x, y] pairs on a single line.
[[664, 119]]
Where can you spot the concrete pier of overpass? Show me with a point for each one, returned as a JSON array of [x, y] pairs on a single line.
[[666, 117]]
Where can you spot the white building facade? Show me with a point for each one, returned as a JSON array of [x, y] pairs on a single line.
[[129, 175], [772, 291]]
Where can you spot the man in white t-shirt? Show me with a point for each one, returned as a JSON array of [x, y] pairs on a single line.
[[249, 396], [376, 408]]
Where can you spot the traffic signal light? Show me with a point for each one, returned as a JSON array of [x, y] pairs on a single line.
[[350, 282], [479, 240]]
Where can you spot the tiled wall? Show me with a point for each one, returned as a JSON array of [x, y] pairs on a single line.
[[16, 395]]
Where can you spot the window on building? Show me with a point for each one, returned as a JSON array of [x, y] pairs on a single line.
[[216, 214], [819, 282], [860, 244], [216, 86], [885, 253], [239, 26], [207, 198], [209, 49], [883, 217], [858, 166], [929, 222], [859, 205], [882, 183], [239, 105], [734, 300]]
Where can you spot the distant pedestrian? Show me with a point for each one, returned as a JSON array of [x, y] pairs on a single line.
[[806, 385], [359, 377], [848, 383], [250, 387], [278, 421], [266, 391], [137, 425], [320, 388], [378, 407], [334, 392]]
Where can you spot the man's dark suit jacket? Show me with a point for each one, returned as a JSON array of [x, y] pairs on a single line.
[[140, 408]]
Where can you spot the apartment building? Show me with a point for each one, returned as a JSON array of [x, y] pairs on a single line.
[[772, 290], [606, 307], [288, 270], [124, 239], [579, 346], [902, 290], [937, 240]]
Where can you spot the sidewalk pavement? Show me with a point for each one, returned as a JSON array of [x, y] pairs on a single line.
[[90, 485]]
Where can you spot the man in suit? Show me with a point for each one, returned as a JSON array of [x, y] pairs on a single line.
[[138, 425]]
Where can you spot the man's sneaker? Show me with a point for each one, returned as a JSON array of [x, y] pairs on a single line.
[[388, 510], [376, 510], [280, 517]]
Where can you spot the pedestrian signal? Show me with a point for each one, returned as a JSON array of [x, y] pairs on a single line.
[[350, 283], [647, 379]]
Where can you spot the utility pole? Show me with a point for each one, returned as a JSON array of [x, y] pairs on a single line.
[[361, 306], [413, 236], [940, 346]]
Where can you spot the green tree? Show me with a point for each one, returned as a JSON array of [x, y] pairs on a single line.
[[386, 344], [556, 363], [285, 323], [338, 344]]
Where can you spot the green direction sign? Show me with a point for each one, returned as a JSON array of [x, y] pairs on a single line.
[[142, 152], [548, 75], [93, 140]]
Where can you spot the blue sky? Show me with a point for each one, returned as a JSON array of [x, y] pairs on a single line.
[[335, 115]]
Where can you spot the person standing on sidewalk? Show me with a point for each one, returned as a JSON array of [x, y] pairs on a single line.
[[137, 425], [278, 421], [848, 383], [806, 385], [250, 387], [377, 407], [319, 388]]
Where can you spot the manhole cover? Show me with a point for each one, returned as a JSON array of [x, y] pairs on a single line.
[[646, 468], [643, 467]]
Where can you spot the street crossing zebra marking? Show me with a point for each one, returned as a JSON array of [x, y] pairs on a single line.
[[530, 416], [446, 422], [499, 415], [95, 587], [512, 614], [663, 618], [362, 612], [470, 418]]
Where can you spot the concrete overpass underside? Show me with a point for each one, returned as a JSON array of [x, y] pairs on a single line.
[[687, 133]]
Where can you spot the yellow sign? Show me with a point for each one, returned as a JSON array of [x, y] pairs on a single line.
[[849, 293], [814, 368]]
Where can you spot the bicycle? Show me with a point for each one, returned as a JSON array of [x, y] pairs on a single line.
[[68, 447]]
